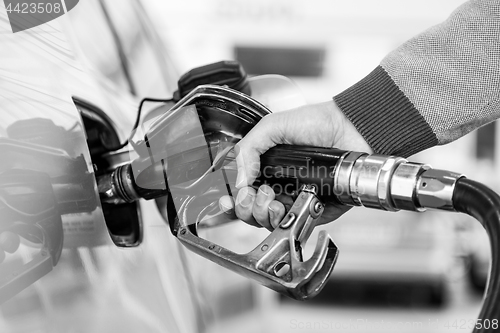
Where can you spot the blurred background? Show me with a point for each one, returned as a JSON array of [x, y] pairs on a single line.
[[396, 272], [399, 272]]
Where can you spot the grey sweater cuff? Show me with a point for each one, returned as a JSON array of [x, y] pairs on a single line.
[[385, 117]]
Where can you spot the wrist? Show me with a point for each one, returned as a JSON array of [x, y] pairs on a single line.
[[385, 117], [347, 137]]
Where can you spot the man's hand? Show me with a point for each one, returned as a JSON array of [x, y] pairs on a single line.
[[321, 125]]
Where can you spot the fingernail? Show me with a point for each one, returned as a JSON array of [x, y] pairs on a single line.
[[248, 200], [261, 198], [225, 209], [226, 204], [240, 179]]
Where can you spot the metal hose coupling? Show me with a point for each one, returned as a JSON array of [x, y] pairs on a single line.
[[392, 183]]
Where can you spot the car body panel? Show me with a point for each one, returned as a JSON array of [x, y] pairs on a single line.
[[94, 286]]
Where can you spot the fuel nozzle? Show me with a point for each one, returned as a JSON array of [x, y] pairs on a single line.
[[341, 177], [313, 176], [187, 159]]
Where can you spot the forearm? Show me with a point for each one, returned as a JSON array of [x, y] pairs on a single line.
[[434, 88]]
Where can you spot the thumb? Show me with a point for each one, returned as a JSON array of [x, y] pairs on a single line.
[[265, 135]]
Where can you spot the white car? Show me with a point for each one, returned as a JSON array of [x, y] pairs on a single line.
[[69, 94]]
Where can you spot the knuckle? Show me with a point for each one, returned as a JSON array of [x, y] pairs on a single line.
[[259, 212], [266, 189], [277, 206], [243, 213]]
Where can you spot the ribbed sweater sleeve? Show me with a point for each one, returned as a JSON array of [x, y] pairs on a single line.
[[433, 89]]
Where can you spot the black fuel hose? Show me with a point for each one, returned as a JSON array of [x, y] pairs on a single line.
[[482, 203]]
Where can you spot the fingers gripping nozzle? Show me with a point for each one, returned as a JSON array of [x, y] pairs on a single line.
[[277, 261]]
